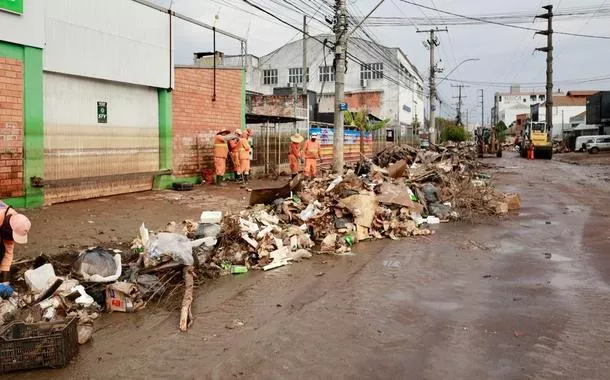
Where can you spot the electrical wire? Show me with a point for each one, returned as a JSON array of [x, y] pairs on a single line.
[[503, 24]]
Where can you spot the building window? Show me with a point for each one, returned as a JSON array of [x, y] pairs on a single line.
[[532, 98], [499, 98], [371, 71], [327, 74], [541, 97], [295, 75], [270, 76], [524, 100]]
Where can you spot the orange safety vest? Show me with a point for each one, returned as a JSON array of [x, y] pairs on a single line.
[[295, 150], [312, 149], [221, 150], [244, 149]]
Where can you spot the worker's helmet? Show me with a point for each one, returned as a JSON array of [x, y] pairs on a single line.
[[238, 132]]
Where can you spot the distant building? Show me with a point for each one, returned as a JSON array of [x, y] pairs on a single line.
[[565, 107], [507, 105], [380, 78]]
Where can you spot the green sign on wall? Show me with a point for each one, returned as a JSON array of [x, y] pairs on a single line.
[[15, 6], [102, 112]]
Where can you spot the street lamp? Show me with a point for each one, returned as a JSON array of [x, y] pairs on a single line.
[[457, 67]]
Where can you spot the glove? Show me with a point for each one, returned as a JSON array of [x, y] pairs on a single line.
[[5, 291]]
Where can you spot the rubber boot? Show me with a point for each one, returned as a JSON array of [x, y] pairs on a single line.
[[5, 277], [246, 178], [219, 181]]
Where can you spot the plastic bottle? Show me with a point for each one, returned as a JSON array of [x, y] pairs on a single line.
[[411, 195], [237, 269]]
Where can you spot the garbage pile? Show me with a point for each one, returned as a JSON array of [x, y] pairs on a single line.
[[560, 146], [400, 192]]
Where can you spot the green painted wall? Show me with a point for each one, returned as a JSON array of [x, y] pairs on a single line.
[[166, 140], [33, 116], [243, 99]]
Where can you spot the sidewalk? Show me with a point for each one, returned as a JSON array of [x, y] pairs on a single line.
[[115, 220]]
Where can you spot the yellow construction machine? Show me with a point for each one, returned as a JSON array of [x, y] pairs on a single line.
[[538, 134]]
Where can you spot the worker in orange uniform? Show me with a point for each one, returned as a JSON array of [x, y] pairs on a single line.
[[244, 153], [312, 155], [234, 145], [14, 228], [530, 152], [294, 153], [221, 151]]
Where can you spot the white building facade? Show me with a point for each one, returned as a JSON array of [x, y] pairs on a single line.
[[379, 78], [507, 105]]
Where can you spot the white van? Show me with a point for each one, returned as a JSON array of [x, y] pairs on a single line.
[[582, 141]]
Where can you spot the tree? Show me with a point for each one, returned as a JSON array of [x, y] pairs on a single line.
[[500, 130], [455, 133], [360, 120]]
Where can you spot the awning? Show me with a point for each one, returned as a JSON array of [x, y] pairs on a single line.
[[261, 119], [586, 127]]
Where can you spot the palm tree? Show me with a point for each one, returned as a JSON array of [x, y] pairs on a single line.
[[360, 120]]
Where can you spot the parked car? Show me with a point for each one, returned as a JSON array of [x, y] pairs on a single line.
[[581, 142], [599, 144]]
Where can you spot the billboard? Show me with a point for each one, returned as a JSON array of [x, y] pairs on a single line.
[[13, 6]]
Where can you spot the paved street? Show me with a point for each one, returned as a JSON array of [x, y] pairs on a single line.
[[477, 301]]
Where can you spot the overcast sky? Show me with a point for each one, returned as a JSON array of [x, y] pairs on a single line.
[[505, 54]]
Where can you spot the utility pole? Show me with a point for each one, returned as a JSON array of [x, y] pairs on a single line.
[[549, 64], [482, 107], [340, 50], [305, 67], [431, 44], [458, 119]]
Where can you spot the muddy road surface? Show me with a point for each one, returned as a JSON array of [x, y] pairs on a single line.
[[526, 297]]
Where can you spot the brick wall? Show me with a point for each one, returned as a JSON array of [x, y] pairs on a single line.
[[369, 99], [276, 105], [11, 128], [196, 118]]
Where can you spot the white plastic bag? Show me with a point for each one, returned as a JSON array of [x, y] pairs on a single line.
[[176, 246]]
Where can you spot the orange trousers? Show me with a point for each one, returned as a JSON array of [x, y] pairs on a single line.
[[294, 164], [221, 165], [244, 165], [236, 163], [530, 154], [311, 167]]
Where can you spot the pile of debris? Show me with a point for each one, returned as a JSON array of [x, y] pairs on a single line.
[[560, 146], [400, 192]]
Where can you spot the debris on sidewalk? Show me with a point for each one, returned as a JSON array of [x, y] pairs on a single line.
[[400, 192]]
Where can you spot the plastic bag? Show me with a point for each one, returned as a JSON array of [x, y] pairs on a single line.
[[176, 246], [95, 261], [430, 193], [97, 265]]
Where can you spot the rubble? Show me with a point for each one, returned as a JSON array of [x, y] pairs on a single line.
[[401, 192]]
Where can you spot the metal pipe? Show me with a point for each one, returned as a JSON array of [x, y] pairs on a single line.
[[279, 148], [188, 19], [171, 46], [214, 48]]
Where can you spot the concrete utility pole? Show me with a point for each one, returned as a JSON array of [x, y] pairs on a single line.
[[549, 64], [305, 67], [458, 119], [340, 50], [431, 44], [482, 107]]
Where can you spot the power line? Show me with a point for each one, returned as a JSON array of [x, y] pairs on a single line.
[[503, 24], [315, 38]]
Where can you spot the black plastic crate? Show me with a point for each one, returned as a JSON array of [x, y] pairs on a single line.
[[38, 345]]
